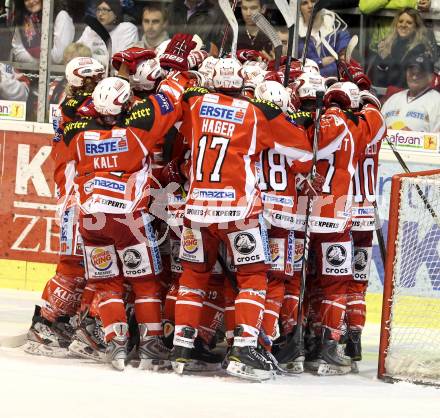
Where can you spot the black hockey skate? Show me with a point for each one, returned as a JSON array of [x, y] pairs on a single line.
[[312, 352], [153, 353], [353, 348], [88, 340], [116, 351], [45, 338], [290, 354], [332, 361], [182, 351], [203, 359], [248, 362]]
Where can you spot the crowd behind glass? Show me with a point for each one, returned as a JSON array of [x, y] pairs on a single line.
[[401, 42]]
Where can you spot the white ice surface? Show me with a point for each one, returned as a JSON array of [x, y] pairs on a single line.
[[32, 386]]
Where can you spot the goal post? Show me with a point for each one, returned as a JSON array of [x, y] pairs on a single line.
[[409, 347]]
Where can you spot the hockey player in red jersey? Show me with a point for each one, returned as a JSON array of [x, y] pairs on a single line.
[[362, 230], [226, 132], [331, 217], [51, 332]]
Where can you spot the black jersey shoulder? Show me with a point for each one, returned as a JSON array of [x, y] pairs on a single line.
[[141, 115], [302, 118], [194, 92], [74, 127], [270, 110], [70, 105]]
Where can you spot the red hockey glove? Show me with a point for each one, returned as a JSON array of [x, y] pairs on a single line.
[[357, 74], [313, 188], [176, 54], [171, 173], [244, 55], [131, 57], [87, 110], [366, 97], [195, 58]]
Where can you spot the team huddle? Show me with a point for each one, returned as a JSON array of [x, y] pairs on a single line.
[[188, 185]]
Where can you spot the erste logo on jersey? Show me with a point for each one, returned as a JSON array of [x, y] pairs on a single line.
[[105, 146], [222, 112]]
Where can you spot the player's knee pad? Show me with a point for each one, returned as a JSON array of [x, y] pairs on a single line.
[[101, 262], [336, 260], [248, 247], [362, 263], [138, 261]]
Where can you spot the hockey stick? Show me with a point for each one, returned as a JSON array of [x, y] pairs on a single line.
[[309, 31], [379, 233], [226, 28], [264, 25], [102, 32], [290, 19], [296, 342], [230, 17]]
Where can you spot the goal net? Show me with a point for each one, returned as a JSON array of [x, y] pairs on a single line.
[[410, 330]]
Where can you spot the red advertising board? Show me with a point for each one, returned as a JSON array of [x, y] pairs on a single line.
[[27, 209]]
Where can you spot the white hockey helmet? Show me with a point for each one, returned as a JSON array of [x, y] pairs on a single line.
[[206, 69], [148, 74], [307, 84], [227, 75], [252, 75], [310, 66], [111, 95], [274, 92], [80, 68], [346, 94]]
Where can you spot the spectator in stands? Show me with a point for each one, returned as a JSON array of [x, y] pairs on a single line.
[[154, 25], [13, 84], [57, 87], [329, 32], [27, 36], [249, 36], [409, 37], [418, 107], [196, 17], [123, 34]]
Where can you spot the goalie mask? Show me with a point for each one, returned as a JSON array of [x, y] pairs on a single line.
[[227, 75], [80, 68], [111, 96], [344, 94], [147, 76], [274, 92]]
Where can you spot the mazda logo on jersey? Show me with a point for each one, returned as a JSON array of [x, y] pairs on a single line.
[[245, 243], [336, 255], [360, 259], [132, 258]]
